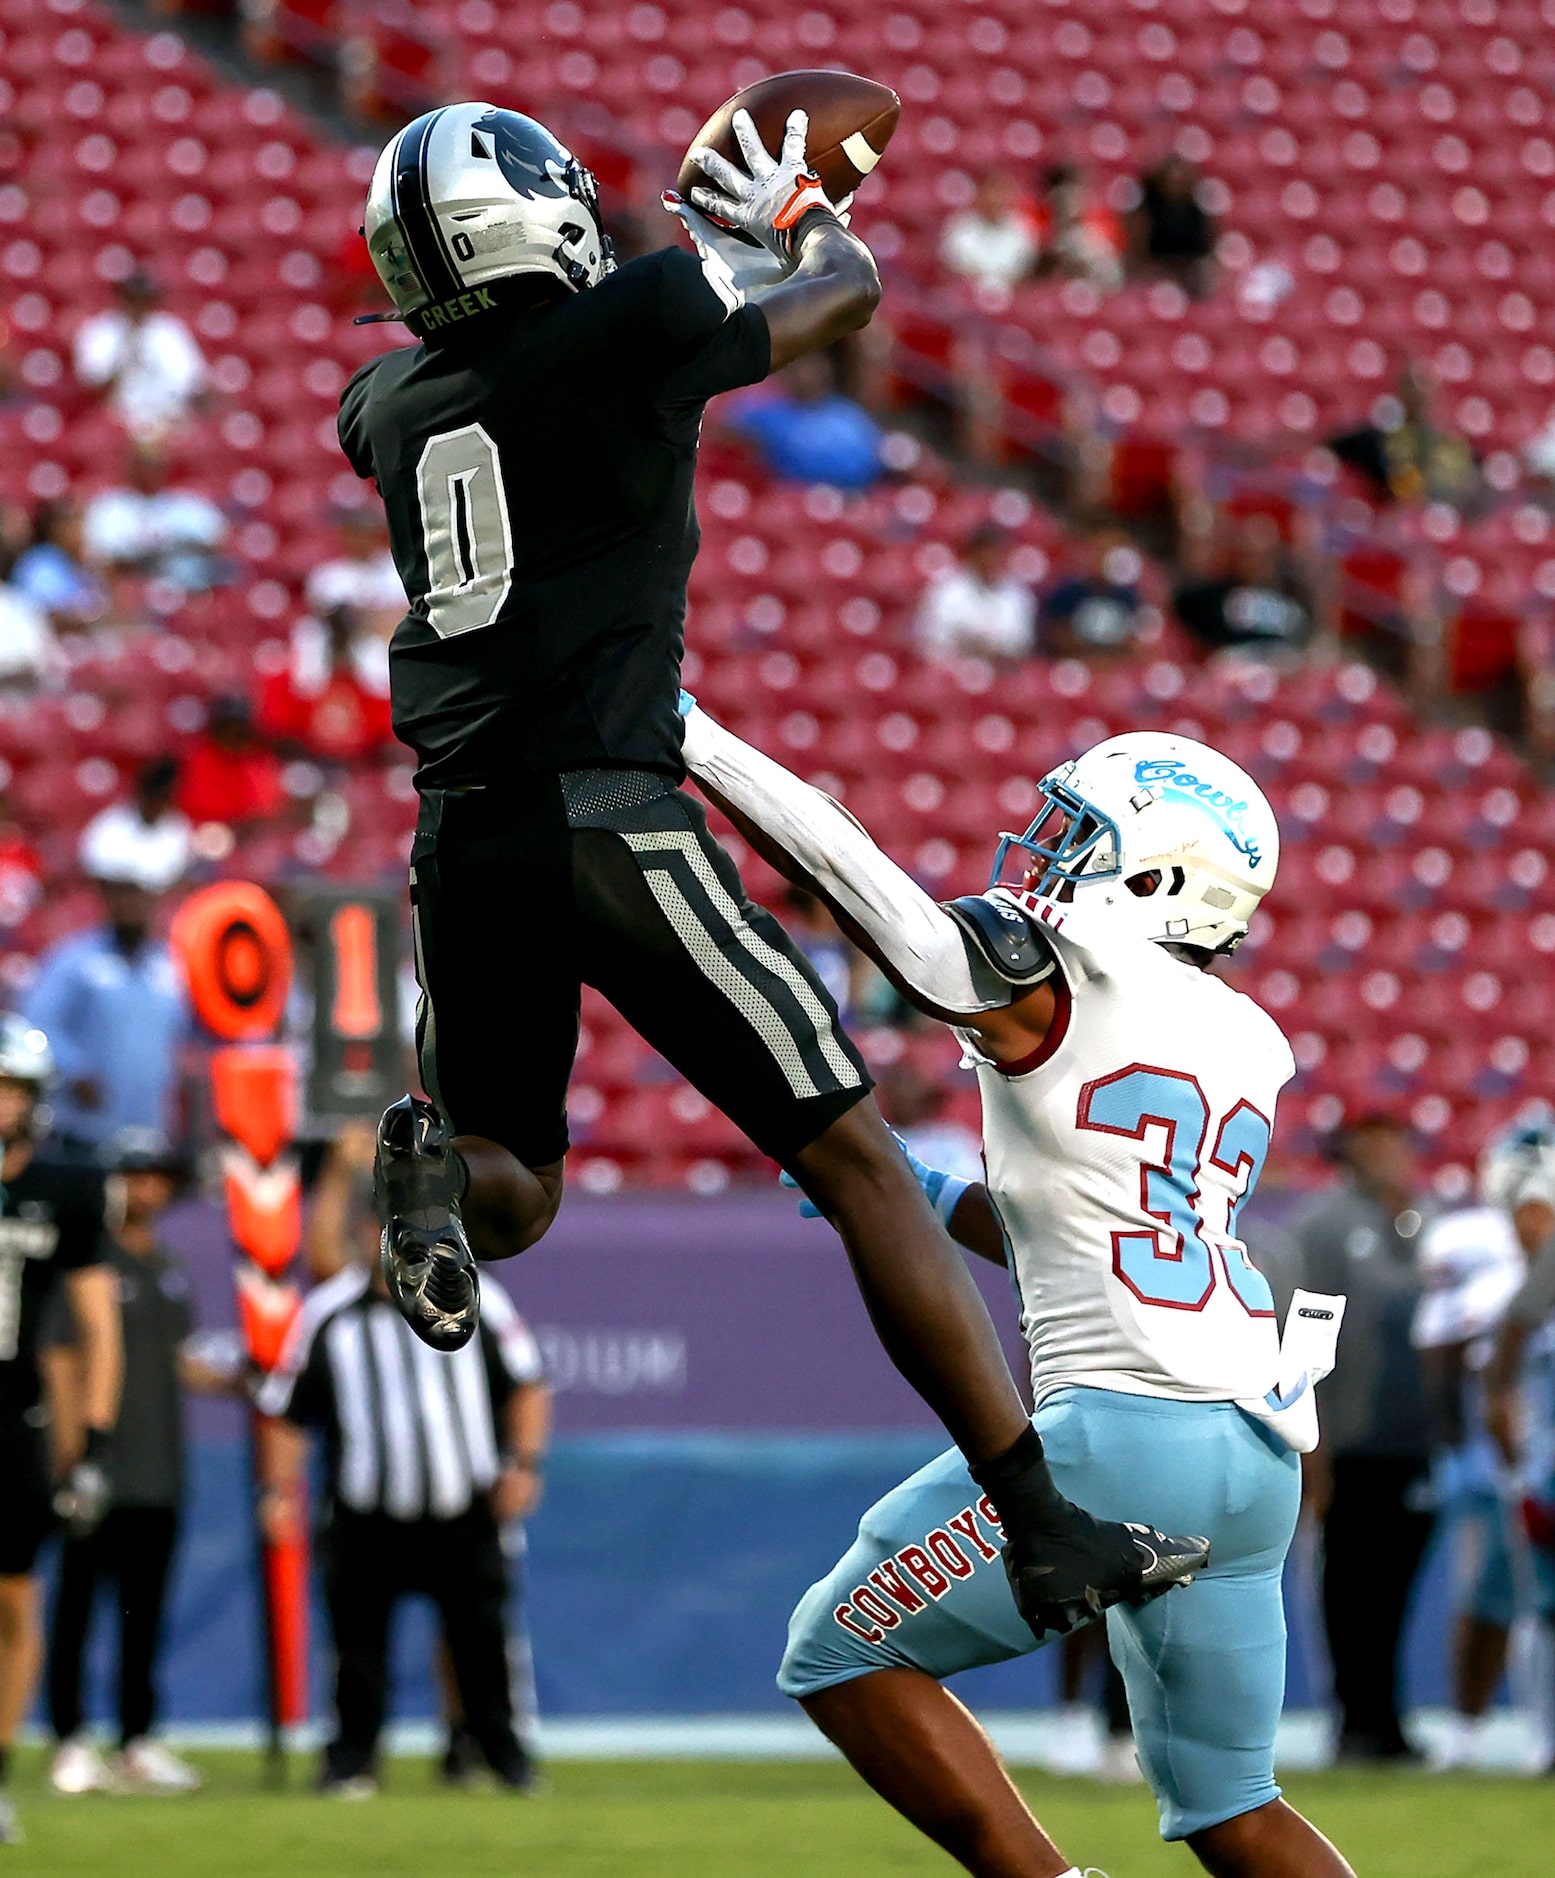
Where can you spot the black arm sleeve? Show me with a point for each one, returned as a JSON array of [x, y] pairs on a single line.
[[350, 427], [713, 343]]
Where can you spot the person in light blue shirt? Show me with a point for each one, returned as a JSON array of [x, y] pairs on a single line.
[[114, 1008], [54, 572], [810, 433]]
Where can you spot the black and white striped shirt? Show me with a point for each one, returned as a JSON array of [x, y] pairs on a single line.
[[411, 1432]]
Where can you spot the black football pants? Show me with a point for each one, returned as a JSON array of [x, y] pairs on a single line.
[[609, 878], [370, 1562], [1374, 1538], [132, 1550]]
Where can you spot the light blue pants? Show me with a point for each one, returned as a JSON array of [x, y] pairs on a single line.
[[923, 1587]]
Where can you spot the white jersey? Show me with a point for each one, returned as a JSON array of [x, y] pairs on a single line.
[[1119, 1156]]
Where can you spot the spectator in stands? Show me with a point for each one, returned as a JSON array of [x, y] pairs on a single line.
[[914, 1103], [1367, 1485], [1243, 591], [29, 652], [1079, 239], [21, 868], [807, 431], [362, 576], [978, 609], [113, 1006], [145, 839], [319, 706], [228, 776], [1406, 455], [991, 243], [133, 1547], [1171, 232], [56, 573], [1095, 608], [143, 360], [148, 527]]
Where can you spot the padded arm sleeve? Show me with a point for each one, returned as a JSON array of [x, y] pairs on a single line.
[[911, 931]]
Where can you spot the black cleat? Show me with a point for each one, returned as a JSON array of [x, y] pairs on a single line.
[[1066, 1575], [427, 1262]]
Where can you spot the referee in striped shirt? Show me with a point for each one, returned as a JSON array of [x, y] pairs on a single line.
[[424, 1453]]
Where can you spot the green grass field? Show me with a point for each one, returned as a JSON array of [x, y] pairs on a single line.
[[700, 1819]]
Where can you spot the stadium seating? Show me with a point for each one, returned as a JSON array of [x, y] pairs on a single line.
[[1409, 947]]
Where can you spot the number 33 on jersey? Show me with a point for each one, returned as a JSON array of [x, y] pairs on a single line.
[[1129, 1143]]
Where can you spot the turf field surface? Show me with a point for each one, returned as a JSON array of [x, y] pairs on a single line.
[[699, 1819]]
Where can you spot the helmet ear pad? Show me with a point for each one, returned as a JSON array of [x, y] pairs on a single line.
[[1145, 884]]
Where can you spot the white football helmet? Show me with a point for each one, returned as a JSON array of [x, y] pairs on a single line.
[[469, 195], [1176, 841], [1519, 1164], [25, 1057]]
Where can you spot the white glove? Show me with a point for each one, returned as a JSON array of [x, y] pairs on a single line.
[[82, 1497], [750, 266], [775, 197]]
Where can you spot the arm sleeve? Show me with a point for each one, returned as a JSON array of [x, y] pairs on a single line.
[[714, 340], [921, 942], [81, 1237], [350, 428]]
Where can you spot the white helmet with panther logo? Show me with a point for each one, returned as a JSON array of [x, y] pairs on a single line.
[[1174, 839], [469, 195]]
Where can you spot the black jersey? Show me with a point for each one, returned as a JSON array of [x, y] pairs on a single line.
[[51, 1222], [537, 475]]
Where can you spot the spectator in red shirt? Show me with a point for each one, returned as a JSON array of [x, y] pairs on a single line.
[[228, 775], [319, 706], [21, 871]]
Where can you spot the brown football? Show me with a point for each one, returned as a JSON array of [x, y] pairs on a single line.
[[851, 121]]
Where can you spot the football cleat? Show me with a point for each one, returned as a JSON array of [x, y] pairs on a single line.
[[428, 1266], [1065, 1575]]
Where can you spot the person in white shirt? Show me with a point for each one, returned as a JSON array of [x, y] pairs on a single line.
[[992, 242], [146, 839], [144, 360], [28, 650], [978, 610], [362, 576], [147, 527]]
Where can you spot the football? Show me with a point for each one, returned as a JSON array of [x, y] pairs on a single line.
[[851, 121]]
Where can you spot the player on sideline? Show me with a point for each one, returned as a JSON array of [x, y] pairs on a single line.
[[536, 454], [51, 1235], [1128, 1102]]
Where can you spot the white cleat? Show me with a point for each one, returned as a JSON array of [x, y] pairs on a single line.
[[352, 1787], [78, 1767], [10, 1826], [146, 1766]]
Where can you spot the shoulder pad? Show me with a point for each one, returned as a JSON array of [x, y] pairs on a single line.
[[1005, 937]]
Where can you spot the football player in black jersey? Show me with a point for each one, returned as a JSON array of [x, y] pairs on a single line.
[[51, 1232], [535, 452]]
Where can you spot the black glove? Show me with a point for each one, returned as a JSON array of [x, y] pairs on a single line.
[[1066, 1567], [82, 1497]]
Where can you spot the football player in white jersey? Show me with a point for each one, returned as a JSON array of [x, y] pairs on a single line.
[[1128, 1101]]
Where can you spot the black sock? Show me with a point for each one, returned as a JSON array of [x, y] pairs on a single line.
[[5, 1764]]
